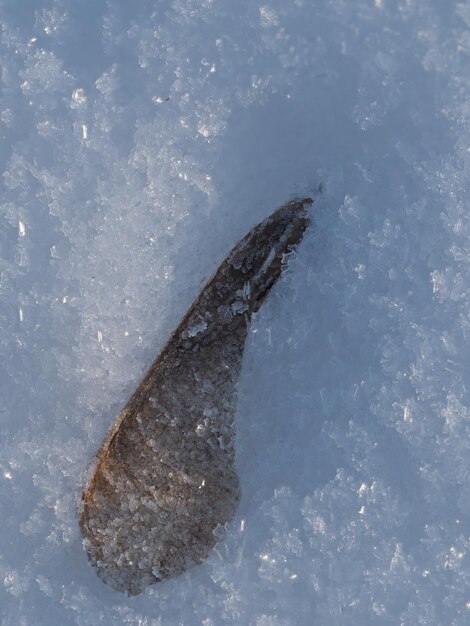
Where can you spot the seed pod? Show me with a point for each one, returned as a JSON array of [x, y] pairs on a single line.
[[164, 478]]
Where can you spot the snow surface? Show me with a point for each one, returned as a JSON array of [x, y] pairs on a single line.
[[139, 141]]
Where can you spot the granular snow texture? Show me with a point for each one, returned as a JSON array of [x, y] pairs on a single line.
[[139, 142]]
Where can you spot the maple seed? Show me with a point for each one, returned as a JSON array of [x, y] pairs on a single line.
[[164, 478]]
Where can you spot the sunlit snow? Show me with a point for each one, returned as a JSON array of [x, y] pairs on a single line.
[[139, 142]]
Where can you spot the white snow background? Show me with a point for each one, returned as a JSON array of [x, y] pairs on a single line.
[[139, 142]]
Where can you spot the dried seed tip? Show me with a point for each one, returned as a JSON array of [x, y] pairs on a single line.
[[164, 482]]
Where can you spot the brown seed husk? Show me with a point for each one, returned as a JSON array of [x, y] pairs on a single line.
[[165, 479]]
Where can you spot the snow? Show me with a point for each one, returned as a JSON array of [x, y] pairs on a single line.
[[139, 142]]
